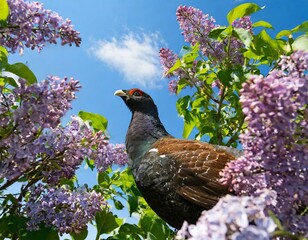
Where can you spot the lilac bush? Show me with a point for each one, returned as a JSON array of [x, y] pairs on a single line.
[[196, 27], [275, 142], [32, 115], [30, 25], [35, 149], [61, 208], [27, 112], [234, 218]]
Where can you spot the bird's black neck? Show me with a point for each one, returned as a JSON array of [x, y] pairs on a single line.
[[145, 128]]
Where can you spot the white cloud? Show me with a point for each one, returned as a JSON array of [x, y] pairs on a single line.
[[135, 56]]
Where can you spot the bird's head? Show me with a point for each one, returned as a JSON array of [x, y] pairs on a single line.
[[137, 101]]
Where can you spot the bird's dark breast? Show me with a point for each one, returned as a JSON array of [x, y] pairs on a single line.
[[155, 178]]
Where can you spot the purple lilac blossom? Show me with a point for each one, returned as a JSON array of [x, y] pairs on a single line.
[[35, 137], [111, 154], [27, 110], [168, 59], [196, 27], [65, 210], [173, 86], [235, 218], [30, 25], [244, 23], [275, 142]]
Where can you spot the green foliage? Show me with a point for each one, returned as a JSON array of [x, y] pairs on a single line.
[[19, 69], [4, 11], [242, 10], [118, 187]]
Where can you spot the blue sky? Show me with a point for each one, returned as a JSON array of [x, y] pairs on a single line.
[[119, 50]]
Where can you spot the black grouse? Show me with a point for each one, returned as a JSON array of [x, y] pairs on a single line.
[[178, 178]]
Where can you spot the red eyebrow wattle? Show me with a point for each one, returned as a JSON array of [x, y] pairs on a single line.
[[132, 91]]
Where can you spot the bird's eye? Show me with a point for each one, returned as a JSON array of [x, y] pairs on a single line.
[[136, 92]]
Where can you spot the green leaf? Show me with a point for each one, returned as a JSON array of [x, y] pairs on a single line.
[[3, 59], [127, 232], [176, 66], [11, 81], [215, 33], [154, 226], [118, 204], [284, 33], [80, 236], [301, 43], [22, 71], [182, 83], [98, 122], [225, 77], [42, 233], [103, 178], [262, 24], [4, 10], [133, 204], [106, 222], [189, 124], [182, 104], [244, 35], [3, 49], [303, 27], [242, 10]]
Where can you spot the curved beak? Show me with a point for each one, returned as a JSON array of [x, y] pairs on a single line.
[[120, 93]]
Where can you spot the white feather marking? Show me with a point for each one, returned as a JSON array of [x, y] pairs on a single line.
[[153, 150], [162, 156]]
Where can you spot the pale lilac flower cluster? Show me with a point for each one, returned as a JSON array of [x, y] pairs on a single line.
[[63, 149], [275, 142], [25, 112], [168, 59], [65, 210], [111, 154], [30, 25], [33, 137], [244, 23], [234, 218], [196, 27]]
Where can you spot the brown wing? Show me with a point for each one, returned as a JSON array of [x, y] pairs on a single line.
[[198, 166]]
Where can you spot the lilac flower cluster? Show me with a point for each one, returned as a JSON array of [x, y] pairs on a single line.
[[168, 59], [275, 142], [63, 150], [34, 139], [30, 25], [111, 154], [26, 111], [234, 218], [62, 209], [244, 23], [196, 27]]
